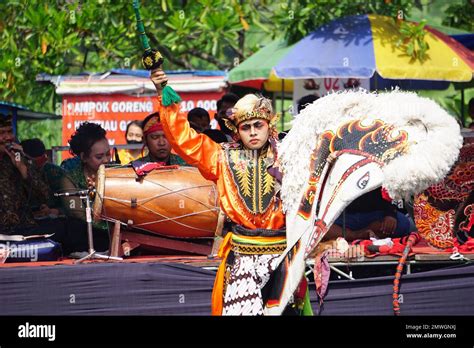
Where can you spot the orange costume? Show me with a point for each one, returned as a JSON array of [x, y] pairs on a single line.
[[249, 197]]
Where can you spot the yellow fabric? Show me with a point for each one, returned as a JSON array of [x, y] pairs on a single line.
[[274, 84], [126, 157], [442, 64], [259, 239], [223, 253], [218, 289], [209, 157]]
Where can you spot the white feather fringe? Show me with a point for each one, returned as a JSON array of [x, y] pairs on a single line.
[[434, 137]]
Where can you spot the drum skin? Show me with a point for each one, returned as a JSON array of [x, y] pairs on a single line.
[[176, 203]]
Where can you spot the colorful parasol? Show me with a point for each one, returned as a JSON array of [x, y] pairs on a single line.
[[358, 46], [257, 71]]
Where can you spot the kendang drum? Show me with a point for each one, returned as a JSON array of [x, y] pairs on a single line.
[[176, 203]]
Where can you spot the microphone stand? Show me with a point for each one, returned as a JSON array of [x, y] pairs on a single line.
[[84, 194]]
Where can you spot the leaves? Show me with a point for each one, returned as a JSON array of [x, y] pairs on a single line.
[[460, 15], [62, 37], [413, 40]]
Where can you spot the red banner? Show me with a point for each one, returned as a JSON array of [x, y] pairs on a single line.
[[114, 111]]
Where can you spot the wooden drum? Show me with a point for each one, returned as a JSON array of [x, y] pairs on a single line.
[[176, 203]]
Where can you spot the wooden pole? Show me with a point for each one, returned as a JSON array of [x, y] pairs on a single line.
[[115, 240]]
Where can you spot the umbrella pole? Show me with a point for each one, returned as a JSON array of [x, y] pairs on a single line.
[[274, 101], [282, 105], [462, 108]]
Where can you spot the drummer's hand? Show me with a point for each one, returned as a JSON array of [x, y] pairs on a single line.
[[158, 77]]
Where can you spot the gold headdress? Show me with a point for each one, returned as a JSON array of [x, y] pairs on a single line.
[[261, 110]]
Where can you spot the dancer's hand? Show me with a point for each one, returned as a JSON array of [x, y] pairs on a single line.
[[158, 77]]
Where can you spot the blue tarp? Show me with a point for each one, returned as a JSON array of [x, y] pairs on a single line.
[[467, 40], [323, 53]]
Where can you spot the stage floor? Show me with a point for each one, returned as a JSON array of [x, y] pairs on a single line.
[[182, 285]]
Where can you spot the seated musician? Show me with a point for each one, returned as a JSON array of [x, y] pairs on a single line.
[[370, 216], [159, 148], [90, 145], [21, 185], [51, 174]]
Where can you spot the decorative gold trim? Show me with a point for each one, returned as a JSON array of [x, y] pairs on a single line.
[[248, 172], [248, 249]]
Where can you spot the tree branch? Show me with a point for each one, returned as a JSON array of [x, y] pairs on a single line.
[[209, 58], [169, 55], [237, 51]]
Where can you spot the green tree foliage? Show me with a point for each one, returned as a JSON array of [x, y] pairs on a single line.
[[60, 37], [69, 36], [461, 15]]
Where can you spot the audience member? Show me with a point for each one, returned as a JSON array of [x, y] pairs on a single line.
[[199, 119], [133, 135], [216, 135], [20, 184], [370, 215], [51, 174], [225, 103], [305, 101], [302, 103]]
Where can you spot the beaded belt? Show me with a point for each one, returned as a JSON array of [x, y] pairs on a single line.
[[261, 232], [257, 246]]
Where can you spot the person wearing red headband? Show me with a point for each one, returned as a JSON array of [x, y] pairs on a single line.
[[159, 148]]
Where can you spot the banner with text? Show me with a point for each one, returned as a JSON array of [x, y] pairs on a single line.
[[115, 111], [322, 86]]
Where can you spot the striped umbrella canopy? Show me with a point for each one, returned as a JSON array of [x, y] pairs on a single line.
[[358, 46], [257, 71]]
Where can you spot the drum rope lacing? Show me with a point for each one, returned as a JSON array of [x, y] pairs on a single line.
[[146, 200], [166, 218]]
